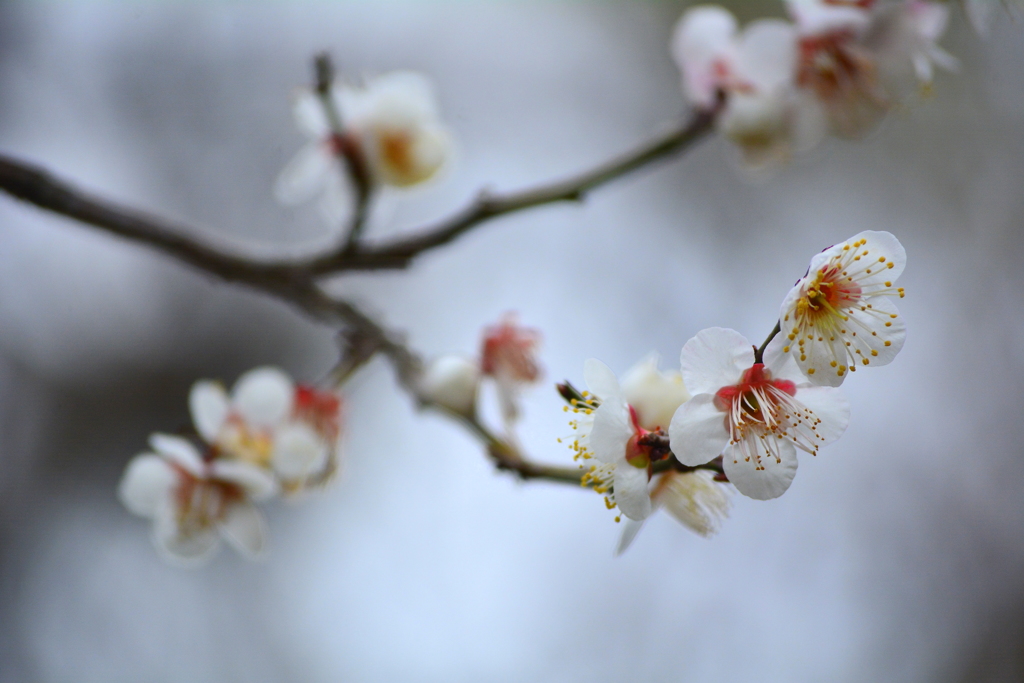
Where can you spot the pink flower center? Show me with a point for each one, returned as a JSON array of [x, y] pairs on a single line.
[[755, 394]]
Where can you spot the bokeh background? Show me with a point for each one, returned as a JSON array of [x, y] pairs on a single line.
[[897, 555]]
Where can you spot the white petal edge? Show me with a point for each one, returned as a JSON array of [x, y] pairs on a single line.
[[243, 527], [611, 431], [831, 407], [630, 484], [263, 396], [146, 484], [179, 451], [630, 529], [208, 403], [771, 482], [304, 176], [185, 551], [715, 358], [600, 379], [698, 432], [257, 483], [299, 451]]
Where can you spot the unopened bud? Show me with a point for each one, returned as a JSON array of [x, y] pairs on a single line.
[[451, 382]]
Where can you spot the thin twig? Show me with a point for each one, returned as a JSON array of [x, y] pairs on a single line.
[[295, 281], [347, 151], [399, 252], [759, 352]]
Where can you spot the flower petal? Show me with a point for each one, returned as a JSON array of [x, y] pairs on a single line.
[[830, 406], [767, 54], [695, 500], [761, 484], [146, 484], [703, 37], [698, 431], [880, 332], [630, 529], [611, 431], [309, 114], [630, 488], [600, 379], [263, 396], [305, 175], [243, 527], [655, 395], [208, 403], [179, 451], [257, 483], [299, 451], [183, 548], [715, 358]]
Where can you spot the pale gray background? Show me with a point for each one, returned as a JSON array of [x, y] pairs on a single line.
[[896, 555]]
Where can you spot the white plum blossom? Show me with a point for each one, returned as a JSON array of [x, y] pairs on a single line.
[[195, 502], [754, 414], [607, 443], [693, 499], [390, 124], [396, 121], [858, 59], [841, 315], [654, 394], [754, 71], [269, 422], [509, 355], [451, 381]]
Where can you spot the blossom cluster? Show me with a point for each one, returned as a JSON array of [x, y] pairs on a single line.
[[508, 357], [388, 126], [734, 412], [838, 66], [268, 437]]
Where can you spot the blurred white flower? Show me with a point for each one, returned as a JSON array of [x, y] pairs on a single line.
[[193, 503], [396, 121], [858, 59], [319, 168], [451, 381], [754, 415], [754, 71], [840, 315], [509, 355], [694, 499], [390, 124], [608, 432], [269, 422]]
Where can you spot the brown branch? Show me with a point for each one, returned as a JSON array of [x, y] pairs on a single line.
[[399, 252], [295, 281]]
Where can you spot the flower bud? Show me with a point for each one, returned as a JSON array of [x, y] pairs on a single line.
[[451, 382]]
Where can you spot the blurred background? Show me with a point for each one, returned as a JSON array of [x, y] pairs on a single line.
[[897, 555]]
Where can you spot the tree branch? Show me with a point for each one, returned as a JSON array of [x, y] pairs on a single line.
[[399, 252], [295, 282]]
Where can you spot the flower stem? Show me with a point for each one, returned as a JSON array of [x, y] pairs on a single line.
[[759, 353]]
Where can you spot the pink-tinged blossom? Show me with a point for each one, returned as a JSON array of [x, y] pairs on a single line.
[[841, 315], [857, 60], [391, 123], [754, 414], [509, 356], [269, 422], [753, 70], [608, 444], [195, 502]]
